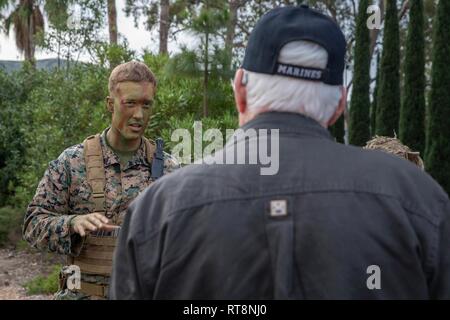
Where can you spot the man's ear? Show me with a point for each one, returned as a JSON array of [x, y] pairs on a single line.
[[110, 104], [240, 91], [340, 109]]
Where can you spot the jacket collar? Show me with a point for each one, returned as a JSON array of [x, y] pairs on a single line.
[[288, 122]]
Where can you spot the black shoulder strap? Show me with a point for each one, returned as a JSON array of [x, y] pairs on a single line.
[[158, 160]]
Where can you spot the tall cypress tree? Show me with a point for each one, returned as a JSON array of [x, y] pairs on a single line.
[[360, 104], [388, 100], [373, 109], [437, 154], [412, 112]]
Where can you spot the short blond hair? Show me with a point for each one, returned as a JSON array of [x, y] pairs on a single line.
[[394, 146], [130, 71]]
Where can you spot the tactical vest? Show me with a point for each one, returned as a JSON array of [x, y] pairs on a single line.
[[97, 253]]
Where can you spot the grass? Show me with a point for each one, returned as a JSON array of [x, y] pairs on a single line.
[[44, 284], [22, 245]]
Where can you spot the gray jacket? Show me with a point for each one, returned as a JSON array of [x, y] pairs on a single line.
[[336, 222]]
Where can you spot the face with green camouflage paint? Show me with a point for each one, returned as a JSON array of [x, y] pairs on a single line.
[[130, 105]]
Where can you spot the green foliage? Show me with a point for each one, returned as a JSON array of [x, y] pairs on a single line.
[[178, 12], [412, 112], [360, 104], [10, 225], [209, 60], [111, 55], [388, 100], [44, 284], [226, 121], [437, 152], [182, 96], [23, 245], [62, 111], [57, 12], [338, 129], [211, 17], [44, 112], [14, 117], [186, 64], [73, 28]]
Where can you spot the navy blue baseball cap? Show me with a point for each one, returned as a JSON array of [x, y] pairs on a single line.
[[283, 25]]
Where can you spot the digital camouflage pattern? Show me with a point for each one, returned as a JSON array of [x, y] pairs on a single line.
[[64, 192]]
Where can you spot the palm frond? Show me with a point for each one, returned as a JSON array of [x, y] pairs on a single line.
[[26, 20], [20, 25], [37, 20]]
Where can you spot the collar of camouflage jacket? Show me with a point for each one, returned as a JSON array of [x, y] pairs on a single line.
[[110, 158]]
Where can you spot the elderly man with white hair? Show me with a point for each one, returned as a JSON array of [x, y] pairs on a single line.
[[334, 222]]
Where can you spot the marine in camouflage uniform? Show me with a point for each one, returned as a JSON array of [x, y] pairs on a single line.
[[65, 193]]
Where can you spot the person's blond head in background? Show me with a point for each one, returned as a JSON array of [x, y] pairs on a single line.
[[394, 146]]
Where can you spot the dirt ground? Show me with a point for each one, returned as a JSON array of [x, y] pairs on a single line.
[[18, 267]]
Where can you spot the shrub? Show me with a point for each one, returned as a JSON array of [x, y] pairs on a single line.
[[44, 284], [226, 121], [11, 220]]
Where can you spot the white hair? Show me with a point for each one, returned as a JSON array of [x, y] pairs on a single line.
[[314, 99]]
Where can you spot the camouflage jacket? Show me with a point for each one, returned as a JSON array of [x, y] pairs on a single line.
[[64, 192]]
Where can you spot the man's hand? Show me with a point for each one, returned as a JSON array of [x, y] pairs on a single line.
[[83, 224]]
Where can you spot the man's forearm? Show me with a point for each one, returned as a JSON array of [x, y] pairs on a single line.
[[49, 231]]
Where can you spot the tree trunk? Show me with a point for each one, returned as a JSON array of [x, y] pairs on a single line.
[[205, 77], [373, 110], [164, 25], [112, 21], [231, 28], [59, 49], [28, 54], [29, 47]]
